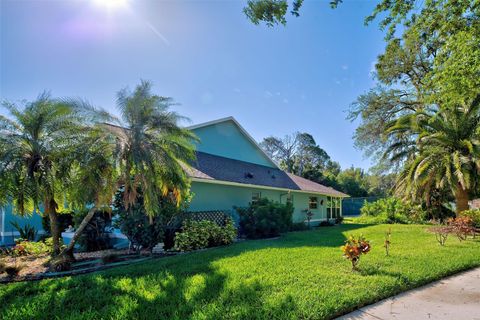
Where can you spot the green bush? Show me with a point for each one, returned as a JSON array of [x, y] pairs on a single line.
[[26, 232], [473, 214], [141, 230], [390, 210], [95, 236], [25, 247], [202, 234], [265, 219], [299, 226]]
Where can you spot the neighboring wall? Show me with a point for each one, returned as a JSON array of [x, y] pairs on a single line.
[[8, 232], [212, 196]]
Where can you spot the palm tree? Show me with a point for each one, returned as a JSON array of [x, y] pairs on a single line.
[[445, 152], [146, 151], [154, 151], [37, 147], [93, 179]]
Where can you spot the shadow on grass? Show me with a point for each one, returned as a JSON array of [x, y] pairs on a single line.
[[170, 293], [178, 287]]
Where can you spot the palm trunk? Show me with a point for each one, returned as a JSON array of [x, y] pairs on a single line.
[[51, 210], [68, 251], [461, 200]]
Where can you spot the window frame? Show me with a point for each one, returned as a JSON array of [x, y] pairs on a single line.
[[312, 204]]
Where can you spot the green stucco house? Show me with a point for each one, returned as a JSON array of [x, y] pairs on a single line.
[[231, 170]]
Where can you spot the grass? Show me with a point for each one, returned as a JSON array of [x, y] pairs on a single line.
[[301, 275]]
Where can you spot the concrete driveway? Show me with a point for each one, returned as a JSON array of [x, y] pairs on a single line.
[[453, 298]]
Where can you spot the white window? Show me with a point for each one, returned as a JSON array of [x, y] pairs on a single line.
[[312, 202]]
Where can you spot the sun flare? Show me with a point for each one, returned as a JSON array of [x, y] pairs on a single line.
[[111, 4]]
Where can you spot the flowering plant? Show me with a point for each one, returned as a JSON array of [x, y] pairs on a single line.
[[354, 248]]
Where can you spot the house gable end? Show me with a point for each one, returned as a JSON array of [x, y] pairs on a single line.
[[226, 138]]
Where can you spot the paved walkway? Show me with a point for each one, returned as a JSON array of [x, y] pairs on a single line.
[[453, 298]]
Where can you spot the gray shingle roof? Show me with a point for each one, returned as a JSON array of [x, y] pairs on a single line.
[[212, 167]]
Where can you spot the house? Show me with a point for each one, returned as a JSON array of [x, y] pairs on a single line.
[[231, 170]]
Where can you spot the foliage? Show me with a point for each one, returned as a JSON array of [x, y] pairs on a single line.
[[96, 234], [143, 231], [39, 145], [441, 234], [354, 247], [64, 220], [446, 153], [25, 247], [274, 12], [234, 282], [202, 234], [462, 227], [26, 232], [390, 210], [299, 226], [154, 149], [325, 223], [474, 215], [265, 218]]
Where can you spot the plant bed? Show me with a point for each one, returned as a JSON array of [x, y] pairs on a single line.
[[37, 268]]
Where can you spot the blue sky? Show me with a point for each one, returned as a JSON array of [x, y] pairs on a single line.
[[204, 54]]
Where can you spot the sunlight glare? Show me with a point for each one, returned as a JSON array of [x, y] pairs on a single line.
[[111, 4]]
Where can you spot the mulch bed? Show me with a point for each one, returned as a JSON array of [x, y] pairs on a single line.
[[36, 267]]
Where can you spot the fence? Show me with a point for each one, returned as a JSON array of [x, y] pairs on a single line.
[[352, 206]]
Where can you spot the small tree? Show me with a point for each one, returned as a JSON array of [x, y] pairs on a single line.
[[354, 248], [388, 242]]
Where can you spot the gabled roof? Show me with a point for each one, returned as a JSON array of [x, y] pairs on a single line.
[[242, 130], [217, 169]]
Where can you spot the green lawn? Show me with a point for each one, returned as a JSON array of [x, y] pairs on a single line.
[[301, 275]]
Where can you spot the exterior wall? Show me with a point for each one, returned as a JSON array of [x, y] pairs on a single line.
[[8, 232], [226, 140], [211, 196]]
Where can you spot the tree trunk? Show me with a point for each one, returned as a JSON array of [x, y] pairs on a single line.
[[51, 210], [68, 251], [461, 200]]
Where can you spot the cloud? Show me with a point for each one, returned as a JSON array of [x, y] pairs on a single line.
[[267, 94], [158, 34], [345, 67]]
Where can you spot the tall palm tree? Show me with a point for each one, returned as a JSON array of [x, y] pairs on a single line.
[[154, 150], [445, 152], [37, 147], [93, 179]]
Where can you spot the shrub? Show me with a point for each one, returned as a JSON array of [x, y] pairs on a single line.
[[26, 232], [265, 219], [354, 248], [462, 227], [141, 230], [390, 210], [339, 220], [441, 234], [13, 271], [474, 215], [202, 234], [299, 226], [95, 236], [23, 247]]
